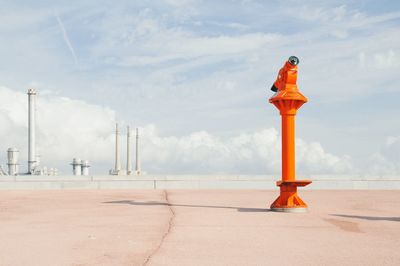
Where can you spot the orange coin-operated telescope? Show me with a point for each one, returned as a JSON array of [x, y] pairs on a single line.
[[288, 100]]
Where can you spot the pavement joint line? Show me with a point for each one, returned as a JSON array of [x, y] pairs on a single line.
[[170, 225]]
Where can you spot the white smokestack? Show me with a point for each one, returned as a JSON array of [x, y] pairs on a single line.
[[137, 168], [12, 154], [117, 167], [31, 131], [128, 152]]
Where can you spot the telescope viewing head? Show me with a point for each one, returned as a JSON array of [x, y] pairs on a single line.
[[293, 60], [287, 74]]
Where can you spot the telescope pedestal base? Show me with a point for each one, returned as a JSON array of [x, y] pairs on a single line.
[[288, 200], [291, 210]]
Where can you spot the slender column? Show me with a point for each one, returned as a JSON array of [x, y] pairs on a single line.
[[137, 166], [31, 130], [117, 166], [288, 147], [128, 152]]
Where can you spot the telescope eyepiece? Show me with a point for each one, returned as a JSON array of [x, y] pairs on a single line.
[[293, 60]]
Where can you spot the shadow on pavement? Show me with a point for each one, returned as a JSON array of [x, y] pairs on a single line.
[[371, 218], [156, 203]]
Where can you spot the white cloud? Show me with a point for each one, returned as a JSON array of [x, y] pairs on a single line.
[[247, 153], [147, 41], [339, 21], [380, 60], [313, 159], [178, 45], [325, 14], [66, 38], [23, 19], [386, 60], [70, 128], [181, 2], [387, 160]]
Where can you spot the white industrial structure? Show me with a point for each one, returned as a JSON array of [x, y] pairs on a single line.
[[85, 167], [128, 152], [117, 164], [117, 167], [52, 171], [76, 166], [32, 159], [137, 168], [12, 156], [80, 167]]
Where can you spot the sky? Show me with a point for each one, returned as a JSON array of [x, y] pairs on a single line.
[[195, 75]]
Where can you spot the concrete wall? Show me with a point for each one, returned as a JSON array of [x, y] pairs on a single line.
[[193, 182]]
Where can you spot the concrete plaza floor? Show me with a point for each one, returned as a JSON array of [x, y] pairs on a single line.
[[197, 227]]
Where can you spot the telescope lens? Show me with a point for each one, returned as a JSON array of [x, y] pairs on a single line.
[[293, 60]]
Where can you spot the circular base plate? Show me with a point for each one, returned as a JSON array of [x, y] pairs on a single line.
[[292, 210]]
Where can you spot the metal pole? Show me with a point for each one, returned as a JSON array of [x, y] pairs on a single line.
[[288, 147]]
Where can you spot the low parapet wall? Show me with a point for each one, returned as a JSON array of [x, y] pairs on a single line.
[[193, 182]]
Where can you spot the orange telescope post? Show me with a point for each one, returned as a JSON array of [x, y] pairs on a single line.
[[288, 100]]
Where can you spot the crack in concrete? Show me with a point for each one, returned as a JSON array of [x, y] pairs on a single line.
[[170, 225]]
